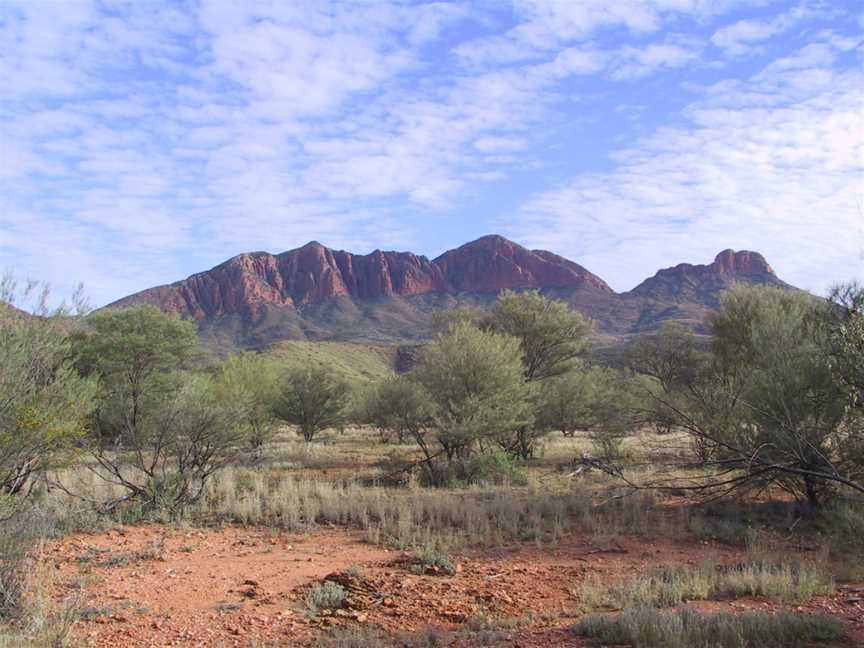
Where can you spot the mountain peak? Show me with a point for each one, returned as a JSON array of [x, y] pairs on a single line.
[[249, 282], [743, 262], [687, 281], [490, 241], [493, 263]]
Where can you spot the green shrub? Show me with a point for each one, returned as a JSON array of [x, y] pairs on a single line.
[[787, 582], [730, 532], [432, 561], [686, 628], [494, 468], [326, 596]]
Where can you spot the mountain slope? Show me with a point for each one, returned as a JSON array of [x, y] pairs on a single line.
[[315, 293], [704, 283]]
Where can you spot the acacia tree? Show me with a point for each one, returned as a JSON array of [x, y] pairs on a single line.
[[313, 398], [159, 432], [476, 383], [766, 406], [403, 407], [551, 337], [846, 322], [253, 380], [44, 402]]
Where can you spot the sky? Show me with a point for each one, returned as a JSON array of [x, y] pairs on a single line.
[[143, 141]]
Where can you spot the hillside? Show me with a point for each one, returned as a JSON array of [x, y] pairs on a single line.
[[356, 362], [314, 293]]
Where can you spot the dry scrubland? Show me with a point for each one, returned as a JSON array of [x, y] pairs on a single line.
[[704, 494], [306, 547]]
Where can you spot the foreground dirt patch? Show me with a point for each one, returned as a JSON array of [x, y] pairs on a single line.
[[149, 586], [152, 586]]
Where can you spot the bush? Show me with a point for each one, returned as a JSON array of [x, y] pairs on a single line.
[[326, 596], [433, 561], [650, 628], [44, 402], [494, 468], [313, 398]]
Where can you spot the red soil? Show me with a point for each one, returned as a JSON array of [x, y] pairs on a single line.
[[231, 587]]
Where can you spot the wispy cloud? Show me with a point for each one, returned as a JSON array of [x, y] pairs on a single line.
[[143, 141], [773, 163]]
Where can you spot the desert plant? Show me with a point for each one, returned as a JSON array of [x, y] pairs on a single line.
[[326, 595], [787, 582], [765, 407], [313, 398], [44, 402], [643, 627], [551, 336], [251, 379], [400, 406], [158, 432], [432, 561], [476, 383]]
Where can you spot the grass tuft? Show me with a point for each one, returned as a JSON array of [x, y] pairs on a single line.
[[686, 628]]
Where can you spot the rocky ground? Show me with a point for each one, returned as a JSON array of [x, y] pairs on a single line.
[[158, 586]]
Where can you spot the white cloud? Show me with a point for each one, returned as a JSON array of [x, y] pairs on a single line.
[[783, 175], [154, 136], [743, 37]]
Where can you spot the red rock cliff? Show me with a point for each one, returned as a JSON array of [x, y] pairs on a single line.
[[245, 283]]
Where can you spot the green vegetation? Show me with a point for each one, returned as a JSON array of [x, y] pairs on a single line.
[[354, 362], [650, 628], [44, 405], [159, 431], [551, 336], [766, 406], [326, 596], [120, 414], [672, 586], [312, 398]]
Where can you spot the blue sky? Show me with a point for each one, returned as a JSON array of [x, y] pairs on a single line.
[[143, 141]]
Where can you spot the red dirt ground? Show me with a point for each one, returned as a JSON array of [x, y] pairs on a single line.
[[234, 586]]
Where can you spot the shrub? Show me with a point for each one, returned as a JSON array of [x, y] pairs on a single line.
[[728, 532], [493, 468], [433, 561], [787, 582], [666, 587], [313, 398], [44, 402], [686, 628], [18, 537], [326, 596]]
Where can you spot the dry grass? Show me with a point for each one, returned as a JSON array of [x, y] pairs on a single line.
[[651, 628], [786, 582]]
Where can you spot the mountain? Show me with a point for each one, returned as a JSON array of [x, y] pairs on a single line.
[[704, 283], [316, 293]]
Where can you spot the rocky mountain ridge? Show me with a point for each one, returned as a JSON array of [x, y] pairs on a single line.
[[314, 292]]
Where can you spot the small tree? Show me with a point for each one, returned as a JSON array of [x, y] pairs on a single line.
[[400, 407], [159, 432], [252, 380], [313, 398], [551, 336], [476, 382], [766, 406], [403, 407], [44, 402]]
